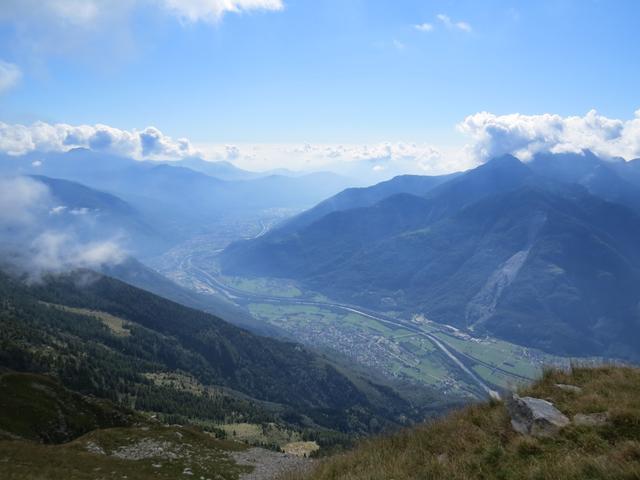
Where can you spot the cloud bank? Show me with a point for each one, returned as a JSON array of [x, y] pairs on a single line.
[[32, 247], [150, 143], [526, 135], [487, 135]]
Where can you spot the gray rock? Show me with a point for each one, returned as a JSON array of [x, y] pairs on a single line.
[[591, 419], [569, 388], [535, 417]]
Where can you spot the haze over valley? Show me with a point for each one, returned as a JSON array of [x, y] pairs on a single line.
[[280, 240]]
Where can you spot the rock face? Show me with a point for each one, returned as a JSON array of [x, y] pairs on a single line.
[[535, 417]]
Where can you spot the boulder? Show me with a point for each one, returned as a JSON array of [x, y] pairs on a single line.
[[535, 416]]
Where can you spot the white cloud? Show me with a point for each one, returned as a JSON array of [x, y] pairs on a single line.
[[447, 22], [56, 252], [423, 27], [384, 159], [150, 143], [21, 200], [31, 245], [213, 10], [103, 31], [86, 14], [10, 76], [526, 135]]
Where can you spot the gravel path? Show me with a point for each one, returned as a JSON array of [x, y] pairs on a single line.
[[269, 464]]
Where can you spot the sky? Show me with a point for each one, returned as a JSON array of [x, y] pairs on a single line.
[[429, 86]]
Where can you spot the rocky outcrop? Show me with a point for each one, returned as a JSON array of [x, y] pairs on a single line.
[[535, 416]]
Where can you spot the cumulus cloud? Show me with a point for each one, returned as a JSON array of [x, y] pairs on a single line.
[[32, 246], [10, 76], [150, 143], [526, 135], [447, 22]]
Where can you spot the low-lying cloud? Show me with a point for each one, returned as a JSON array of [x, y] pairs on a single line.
[[525, 135], [29, 245], [150, 143], [59, 252]]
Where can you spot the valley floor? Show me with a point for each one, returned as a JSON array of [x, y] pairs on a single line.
[[414, 350]]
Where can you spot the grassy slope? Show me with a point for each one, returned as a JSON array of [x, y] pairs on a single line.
[[479, 443], [182, 449], [49, 432]]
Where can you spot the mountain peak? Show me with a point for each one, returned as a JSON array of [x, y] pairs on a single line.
[[503, 161]]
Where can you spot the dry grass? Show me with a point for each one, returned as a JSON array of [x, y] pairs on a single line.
[[116, 325], [479, 443], [301, 449]]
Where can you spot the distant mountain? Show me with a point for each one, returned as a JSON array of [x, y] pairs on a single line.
[[74, 195], [500, 249], [221, 169], [613, 180], [180, 202], [103, 337], [366, 196], [90, 215]]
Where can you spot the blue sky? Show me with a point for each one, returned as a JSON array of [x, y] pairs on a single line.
[[324, 71]]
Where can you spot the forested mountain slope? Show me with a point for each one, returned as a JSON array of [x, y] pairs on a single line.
[[499, 249], [101, 336]]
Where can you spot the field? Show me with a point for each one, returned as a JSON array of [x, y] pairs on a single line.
[[116, 325], [264, 286], [402, 353]]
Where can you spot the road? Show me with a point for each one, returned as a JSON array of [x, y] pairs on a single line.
[[234, 293]]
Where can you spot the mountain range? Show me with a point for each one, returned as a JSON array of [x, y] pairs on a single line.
[[544, 253], [159, 205]]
